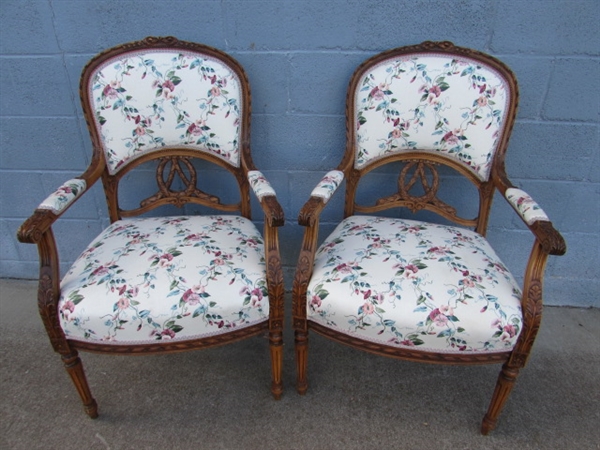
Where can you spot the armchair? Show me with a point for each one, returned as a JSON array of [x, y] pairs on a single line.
[[152, 284], [414, 289]]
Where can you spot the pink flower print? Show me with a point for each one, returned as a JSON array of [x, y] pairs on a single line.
[[100, 271], [467, 283], [190, 297], [497, 323], [215, 91], [140, 131], [123, 303], [435, 90], [450, 138], [396, 133], [67, 308], [165, 260], [377, 93], [109, 91], [438, 318], [447, 310], [343, 268], [410, 271], [195, 128], [509, 332], [408, 343], [315, 301], [482, 101], [168, 333], [256, 296], [168, 87], [368, 308]]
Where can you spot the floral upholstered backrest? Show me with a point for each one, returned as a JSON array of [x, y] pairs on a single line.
[[434, 102], [160, 98]]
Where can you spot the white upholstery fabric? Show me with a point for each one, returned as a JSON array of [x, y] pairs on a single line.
[[430, 102], [259, 184], [160, 99], [328, 185], [527, 208], [416, 285], [60, 199], [150, 279]]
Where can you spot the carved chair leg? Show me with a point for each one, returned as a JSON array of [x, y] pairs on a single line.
[[504, 385], [75, 370], [301, 361], [276, 347]]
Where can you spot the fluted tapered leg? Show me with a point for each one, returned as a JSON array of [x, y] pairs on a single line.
[[75, 370], [504, 385], [301, 361], [276, 347]]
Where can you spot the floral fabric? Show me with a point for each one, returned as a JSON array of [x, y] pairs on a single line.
[[160, 99], [431, 102], [527, 208], [413, 284], [259, 184], [150, 279], [328, 185], [64, 196]]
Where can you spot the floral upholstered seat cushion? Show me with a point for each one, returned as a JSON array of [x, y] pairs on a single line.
[[145, 280], [416, 285]]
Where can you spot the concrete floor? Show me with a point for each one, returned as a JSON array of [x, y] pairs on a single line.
[[220, 398]]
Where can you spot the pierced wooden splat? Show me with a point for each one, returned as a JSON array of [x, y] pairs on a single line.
[[177, 165], [413, 172]]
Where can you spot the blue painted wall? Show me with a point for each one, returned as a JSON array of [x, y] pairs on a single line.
[[299, 56]]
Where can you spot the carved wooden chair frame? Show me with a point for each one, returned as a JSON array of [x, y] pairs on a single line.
[[421, 166], [172, 161]]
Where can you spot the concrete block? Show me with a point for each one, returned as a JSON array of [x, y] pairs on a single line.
[[27, 28], [320, 80], [582, 259], [577, 292], [296, 25], [574, 92], [41, 144], [533, 75], [302, 142], [547, 27], [269, 76], [89, 27], [383, 25], [35, 86], [555, 151]]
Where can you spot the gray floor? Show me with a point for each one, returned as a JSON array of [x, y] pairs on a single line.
[[220, 398]]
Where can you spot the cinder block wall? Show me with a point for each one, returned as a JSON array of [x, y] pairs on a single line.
[[299, 56]]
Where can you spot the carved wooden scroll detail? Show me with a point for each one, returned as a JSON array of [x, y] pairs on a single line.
[[177, 165], [413, 172]]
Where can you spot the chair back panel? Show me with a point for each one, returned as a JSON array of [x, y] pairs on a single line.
[[149, 99], [445, 103]]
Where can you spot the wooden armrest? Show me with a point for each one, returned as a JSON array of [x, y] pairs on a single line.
[[32, 230]]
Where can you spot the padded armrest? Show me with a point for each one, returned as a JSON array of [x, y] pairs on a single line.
[[328, 185], [50, 209], [319, 197], [525, 206], [66, 194], [260, 185], [536, 219], [268, 198]]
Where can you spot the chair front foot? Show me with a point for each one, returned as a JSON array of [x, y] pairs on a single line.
[[504, 385], [301, 362], [276, 348], [74, 368]]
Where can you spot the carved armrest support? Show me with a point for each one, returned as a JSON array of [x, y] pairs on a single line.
[[267, 197]]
